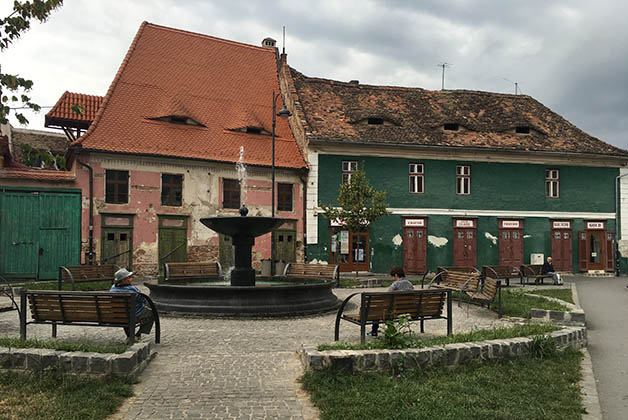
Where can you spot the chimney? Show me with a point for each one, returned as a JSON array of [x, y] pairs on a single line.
[[269, 43], [354, 82]]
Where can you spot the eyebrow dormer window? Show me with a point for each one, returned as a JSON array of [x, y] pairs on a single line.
[[254, 130], [450, 127], [375, 121], [178, 119], [522, 129]]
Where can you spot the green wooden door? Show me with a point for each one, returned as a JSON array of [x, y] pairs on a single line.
[[19, 228], [173, 240], [285, 245]]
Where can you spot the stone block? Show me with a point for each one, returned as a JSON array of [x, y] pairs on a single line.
[[80, 362], [316, 361], [65, 362], [475, 352], [5, 358], [453, 353], [556, 315], [124, 364], [33, 359], [383, 360], [411, 359], [344, 363], [538, 313], [438, 357], [100, 364], [577, 316], [49, 358], [369, 362]]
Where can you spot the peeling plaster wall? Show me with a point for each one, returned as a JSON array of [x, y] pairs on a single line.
[[201, 198]]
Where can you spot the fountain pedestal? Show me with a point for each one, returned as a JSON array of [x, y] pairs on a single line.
[[242, 273]]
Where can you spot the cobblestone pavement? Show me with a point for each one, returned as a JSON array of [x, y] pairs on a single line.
[[232, 368]]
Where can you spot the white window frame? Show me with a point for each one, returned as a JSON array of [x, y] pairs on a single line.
[[463, 179], [416, 178], [552, 183], [348, 167]]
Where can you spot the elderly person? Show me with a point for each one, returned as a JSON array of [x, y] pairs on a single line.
[[548, 268], [400, 283], [123, 282]]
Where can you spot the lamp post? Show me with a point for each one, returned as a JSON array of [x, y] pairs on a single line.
[[283, 114]]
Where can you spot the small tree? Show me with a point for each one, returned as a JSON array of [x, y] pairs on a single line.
[[13, 88], [360, 204]]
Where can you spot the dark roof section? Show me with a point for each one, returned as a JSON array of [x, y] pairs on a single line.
[[62, 115], [54, 142], [339, 111]]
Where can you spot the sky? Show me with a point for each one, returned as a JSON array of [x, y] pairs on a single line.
[[570, 55]]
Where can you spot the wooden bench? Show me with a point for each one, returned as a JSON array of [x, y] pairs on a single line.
[[7, 290], [86, 273], [420, 305], [457, 281], [533, 272], [98, 309], [501, 272], [312, 271], [487, 294], [191, 270], [461, 269]]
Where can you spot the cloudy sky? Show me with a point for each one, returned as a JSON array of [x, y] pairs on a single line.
[[571, 55]]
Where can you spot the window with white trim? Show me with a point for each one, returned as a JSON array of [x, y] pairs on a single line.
[[416, 178], [348, 167], [463, 179], [552, 183]]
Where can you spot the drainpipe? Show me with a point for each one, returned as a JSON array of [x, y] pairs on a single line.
[[90, 253], [304, 181], [617, 223]]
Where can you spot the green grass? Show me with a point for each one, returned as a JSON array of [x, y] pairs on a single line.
[[515, 303], [52, 396], [82, 286], [562, 294], [524, 388], [58, 345], [525, 330]]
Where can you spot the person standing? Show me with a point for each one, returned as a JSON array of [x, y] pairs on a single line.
[[123, 282], [400, 283], [548, 268]]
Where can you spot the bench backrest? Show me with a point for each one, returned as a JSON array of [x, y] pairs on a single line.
[[490, 287], [501, 271], [85, 273], [102, 308], [460, 269], [390, 305], [531, 269], [458, 280], [181, 270], [327, 271]]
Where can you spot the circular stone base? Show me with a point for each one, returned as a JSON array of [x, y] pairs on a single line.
[[245, 301]]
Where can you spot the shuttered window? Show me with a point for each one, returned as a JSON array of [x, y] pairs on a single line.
[[116, 187]]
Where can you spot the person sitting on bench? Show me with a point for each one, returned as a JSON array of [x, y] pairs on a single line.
[[400, 283], [548, 268], [123, 282]]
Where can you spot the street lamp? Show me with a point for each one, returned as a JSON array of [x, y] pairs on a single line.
[[283, 114]]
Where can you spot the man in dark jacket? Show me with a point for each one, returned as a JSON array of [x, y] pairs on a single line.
[[400, 283], [548, 268]]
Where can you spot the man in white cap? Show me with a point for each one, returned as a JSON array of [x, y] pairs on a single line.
[[123, 282]]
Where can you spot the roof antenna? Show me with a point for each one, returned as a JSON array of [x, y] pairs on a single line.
[[444, 65], [283, 49], [516, 85]]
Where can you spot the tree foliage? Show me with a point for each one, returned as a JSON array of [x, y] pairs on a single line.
[[13, 88], [360, 204]]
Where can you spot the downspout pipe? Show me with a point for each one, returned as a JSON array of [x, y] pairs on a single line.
[[617, 223], [304, 178], [90, 252]]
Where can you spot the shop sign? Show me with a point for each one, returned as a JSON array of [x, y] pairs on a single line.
[[415, 222], [464, 223], [595, 225], [561, 225], [511, 224]]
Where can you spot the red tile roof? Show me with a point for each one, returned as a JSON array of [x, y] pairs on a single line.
[[37, 174], [221, 84], [62, 115], [339, 111]]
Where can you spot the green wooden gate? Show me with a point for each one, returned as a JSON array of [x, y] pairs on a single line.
[[39, 231], [173, 240]]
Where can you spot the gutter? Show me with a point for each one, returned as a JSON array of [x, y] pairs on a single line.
[[90, 252], [617, 223]]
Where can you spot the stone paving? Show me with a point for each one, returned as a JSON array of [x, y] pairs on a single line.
[[232, 368]]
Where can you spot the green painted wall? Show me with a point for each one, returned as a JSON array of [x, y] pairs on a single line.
[[494, 186]]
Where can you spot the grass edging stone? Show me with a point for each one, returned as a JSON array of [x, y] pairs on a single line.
[[449, 355], [127, 365]]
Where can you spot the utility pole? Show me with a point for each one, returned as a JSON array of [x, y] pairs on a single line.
[[443, 65]]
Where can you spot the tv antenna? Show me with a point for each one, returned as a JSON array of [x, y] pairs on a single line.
[[517, 89], [283, 48], [444, 65]]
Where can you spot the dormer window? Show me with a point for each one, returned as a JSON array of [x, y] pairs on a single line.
[[178, 119], [375, 121], [451, 127], [254, 130], [522, 129]]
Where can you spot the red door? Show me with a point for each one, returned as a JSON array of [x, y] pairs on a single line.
[[414, 250], [562, 249], [511, 242], [464, 243]]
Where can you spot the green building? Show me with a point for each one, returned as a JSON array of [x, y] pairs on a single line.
[[472, 178]]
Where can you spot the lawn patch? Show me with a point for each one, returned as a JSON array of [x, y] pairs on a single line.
[[63, 346], [562, 294], [516, 303]]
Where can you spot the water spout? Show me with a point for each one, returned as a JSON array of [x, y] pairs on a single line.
[[241, 170]]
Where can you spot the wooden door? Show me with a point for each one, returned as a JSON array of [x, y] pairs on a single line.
[[117, 247], [415, 250], [464, 247], [285, 245], [19, 228], [511, 247], [350, 250], [562, 256], [172, 240], [596, 250]]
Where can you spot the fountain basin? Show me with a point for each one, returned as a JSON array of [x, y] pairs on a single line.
[[304, 298]]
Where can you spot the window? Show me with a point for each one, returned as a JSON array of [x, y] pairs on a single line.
[[253, 130], [450, 127], [522, 130], [284, 197], [230, 193], [375, 121], [552, 182], [416, 178], [348, 167], [463, 179], [116, 187], [171, 189]]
